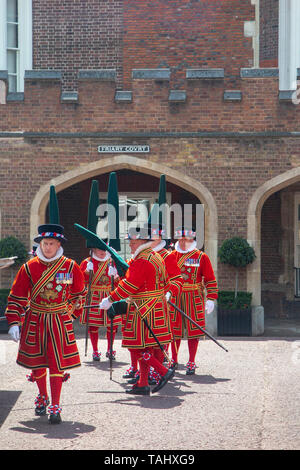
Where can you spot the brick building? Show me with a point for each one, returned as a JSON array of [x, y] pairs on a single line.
[[208, 86]]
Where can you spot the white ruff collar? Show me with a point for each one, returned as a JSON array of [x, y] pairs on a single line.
[[160, 246], [106, 257], [141, 248], [191, 248], [40, 255]]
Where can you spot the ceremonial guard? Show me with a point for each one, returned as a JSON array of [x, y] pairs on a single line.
[[198, 277], [160, 246], [100, 276], [147, 324], [101, 265], [51, 286]]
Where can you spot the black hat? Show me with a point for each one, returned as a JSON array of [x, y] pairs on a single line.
[[139, 233], [157, 230], [185, 232], [50, 231]]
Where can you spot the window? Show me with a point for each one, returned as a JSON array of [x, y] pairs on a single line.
[[12, 45], [16, 41]]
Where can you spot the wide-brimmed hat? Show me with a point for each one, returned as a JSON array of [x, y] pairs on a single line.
[[139, 233], [157, 230], [185, 232], [50, 231]]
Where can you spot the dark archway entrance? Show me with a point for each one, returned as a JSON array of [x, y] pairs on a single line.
[[73, 202]]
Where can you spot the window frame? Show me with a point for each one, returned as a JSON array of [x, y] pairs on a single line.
[[24, 61]]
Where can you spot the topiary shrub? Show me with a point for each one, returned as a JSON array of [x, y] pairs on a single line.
[[11, 246], [238, 253]]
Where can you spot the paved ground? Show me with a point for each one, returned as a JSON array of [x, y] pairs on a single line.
[[247, 398]]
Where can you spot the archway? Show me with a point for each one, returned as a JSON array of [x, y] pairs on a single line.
[[39, 204], [254, 226]]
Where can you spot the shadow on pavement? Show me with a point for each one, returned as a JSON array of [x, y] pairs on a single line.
[[65, 430], [166, 398], [9, 397]]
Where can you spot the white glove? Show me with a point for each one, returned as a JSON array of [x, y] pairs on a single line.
[[14, 332], [168, 296], [209, 306], [90, 266], [112, 271], [105, 303]]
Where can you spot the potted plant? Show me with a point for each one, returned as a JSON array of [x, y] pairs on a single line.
[[234, 307]]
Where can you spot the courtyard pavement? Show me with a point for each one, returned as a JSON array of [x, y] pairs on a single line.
[[244, 399]]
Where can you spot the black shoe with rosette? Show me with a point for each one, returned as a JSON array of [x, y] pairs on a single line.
[[41, 403], [164, 380], [136, 390], [54, 414], [130, 373]]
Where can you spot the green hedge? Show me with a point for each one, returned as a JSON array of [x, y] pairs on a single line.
[[11, 246], [242, 301]]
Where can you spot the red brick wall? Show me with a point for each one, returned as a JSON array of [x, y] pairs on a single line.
[[231, 169], [183, 33], [205, 110], [69, 35], [271, 234]]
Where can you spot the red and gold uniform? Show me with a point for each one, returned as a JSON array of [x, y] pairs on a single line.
[[197, 274], [145, 283], [174, 273], [53, 290], [175, 278], [50, 291], [198, 277], [100, 288]]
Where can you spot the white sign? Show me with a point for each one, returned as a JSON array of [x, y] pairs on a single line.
[[123, 148]]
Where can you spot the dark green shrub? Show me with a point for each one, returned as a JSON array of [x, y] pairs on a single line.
[[11, 246]]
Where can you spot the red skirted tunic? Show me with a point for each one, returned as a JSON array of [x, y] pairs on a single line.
[[100, 288], [174, 273], [54, 291], [146, 283], [198, 276]]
